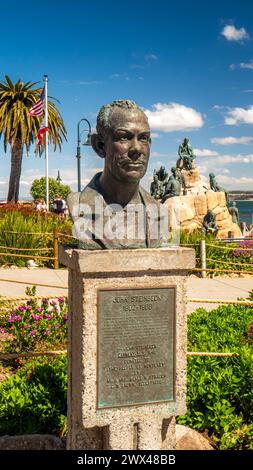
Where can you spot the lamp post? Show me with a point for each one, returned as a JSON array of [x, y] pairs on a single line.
[[58, 179], [78, 151]]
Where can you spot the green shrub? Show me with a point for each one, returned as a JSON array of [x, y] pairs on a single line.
[[219, 254], [24, 222], [34, 400], [220, 389]]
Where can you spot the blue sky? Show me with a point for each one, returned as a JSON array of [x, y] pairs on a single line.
[[189, 64]]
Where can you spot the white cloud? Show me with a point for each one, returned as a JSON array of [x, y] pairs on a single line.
[[218, 107], [231, 140], [231, 182], [205, 153], [169, 117], [237, 116], [235, 158], [232, 34], [158, 154], [149, 57], [220, 159], [154, 135], [123, 76], [244, 65]]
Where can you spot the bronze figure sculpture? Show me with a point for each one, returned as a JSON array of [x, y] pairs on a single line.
[[186, 155], [215, 186], [233, 210], [209, 223], [173, 187], [156, 187]]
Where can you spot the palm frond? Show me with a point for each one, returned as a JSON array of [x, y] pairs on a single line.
[[15, 101]]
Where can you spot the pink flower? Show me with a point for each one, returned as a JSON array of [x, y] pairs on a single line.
[[49, 317], [28, 307], [57, 326], [47, 332], [33, 316], [2, 330], [38, 318], [39, 309], [61, 299], [21, 308], [33, 333]]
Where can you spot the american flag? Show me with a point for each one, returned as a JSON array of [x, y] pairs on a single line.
[[38, 108]]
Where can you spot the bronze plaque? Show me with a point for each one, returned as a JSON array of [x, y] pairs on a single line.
[[135, 346]]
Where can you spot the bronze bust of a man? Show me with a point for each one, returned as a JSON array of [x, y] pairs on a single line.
[[113, 210]]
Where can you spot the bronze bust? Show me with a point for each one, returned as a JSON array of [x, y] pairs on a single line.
[[113, 210]]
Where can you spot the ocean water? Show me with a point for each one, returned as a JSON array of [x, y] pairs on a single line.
[[245, 211]]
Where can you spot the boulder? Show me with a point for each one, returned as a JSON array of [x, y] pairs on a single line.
[[224, 232], [222, 199], [222, 215], [31, 442], [183, 207], [189, 439], [212, 199], [189, 211], [191, 178], [200, 204]]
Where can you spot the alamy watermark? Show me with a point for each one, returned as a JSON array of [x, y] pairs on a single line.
[[134, 222]]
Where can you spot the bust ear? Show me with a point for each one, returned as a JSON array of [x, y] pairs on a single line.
[[98, 145]]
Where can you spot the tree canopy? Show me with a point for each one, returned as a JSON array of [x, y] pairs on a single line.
[[38, 189]]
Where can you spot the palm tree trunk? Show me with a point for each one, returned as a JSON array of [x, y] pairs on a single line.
[[16, 164]]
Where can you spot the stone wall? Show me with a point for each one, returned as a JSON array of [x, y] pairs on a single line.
[[189, 212]]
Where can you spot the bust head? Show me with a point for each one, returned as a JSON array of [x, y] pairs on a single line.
[[123, 140]]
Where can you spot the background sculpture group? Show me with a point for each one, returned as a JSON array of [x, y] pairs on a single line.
[[164, 186]]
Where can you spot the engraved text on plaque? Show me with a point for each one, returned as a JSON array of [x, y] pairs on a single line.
[[135, 346]]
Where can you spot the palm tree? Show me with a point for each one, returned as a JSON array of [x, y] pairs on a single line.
[[19, 129]]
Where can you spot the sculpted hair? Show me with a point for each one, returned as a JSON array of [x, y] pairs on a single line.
[[104, 113]]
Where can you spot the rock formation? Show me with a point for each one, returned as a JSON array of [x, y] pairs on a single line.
[[188, 210]]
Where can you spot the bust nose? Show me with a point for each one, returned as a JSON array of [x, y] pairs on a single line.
[[135, 148]]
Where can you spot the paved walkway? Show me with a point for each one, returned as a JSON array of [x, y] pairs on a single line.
[[218, 288], [51, 277]]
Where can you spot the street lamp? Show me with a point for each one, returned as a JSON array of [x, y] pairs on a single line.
[[78, 151], [58, 179]]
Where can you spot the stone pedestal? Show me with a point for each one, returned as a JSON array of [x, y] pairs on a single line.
[[127, 333]]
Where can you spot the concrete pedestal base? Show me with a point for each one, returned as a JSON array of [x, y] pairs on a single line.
[[142, 426]]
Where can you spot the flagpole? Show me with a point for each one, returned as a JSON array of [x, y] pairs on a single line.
[[46, 144]]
